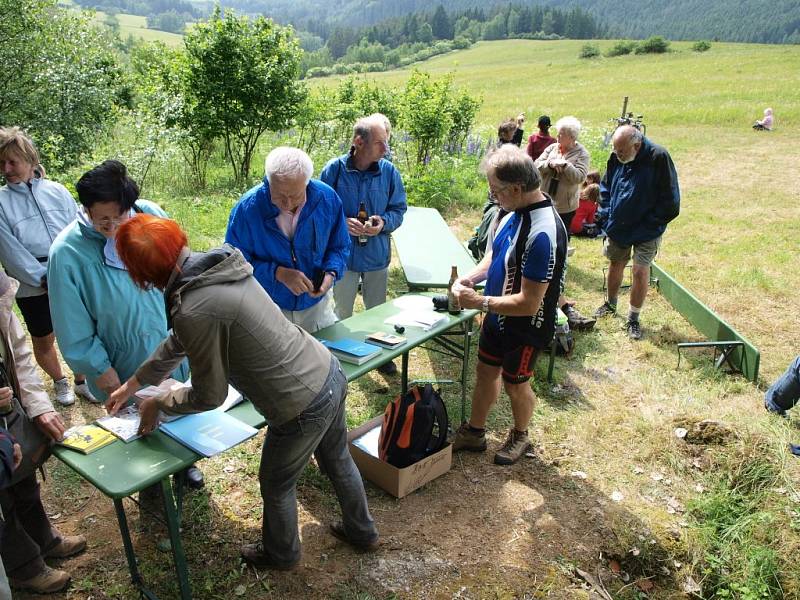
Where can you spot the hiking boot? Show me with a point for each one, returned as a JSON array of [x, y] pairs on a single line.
[[82, 390], [337, 529], [577, 322], [606, 309], [467, 439], [253, 554], [70, 545], [194, 478], [388, 369], [47, 581], [64, 394], [634, 330], [517, 444]]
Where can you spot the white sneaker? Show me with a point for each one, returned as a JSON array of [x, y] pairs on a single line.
[[82, 390], [64, 394]]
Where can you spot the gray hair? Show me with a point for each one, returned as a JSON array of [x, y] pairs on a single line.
[[288, 162], [569, 125], [387, 124], [512, 165], [629, 131], [364, 126]]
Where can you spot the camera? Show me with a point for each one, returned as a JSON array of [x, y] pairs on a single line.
[[440, 302]]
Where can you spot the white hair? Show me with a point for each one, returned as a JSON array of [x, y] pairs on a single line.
[[288, 162], [569, 125], [366, 125]]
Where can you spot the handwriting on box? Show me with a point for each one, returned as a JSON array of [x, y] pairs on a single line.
[[421, 470]]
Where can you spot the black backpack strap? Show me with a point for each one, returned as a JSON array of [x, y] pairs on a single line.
[[440, 414]]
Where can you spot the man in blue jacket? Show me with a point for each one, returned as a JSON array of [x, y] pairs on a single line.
[[363, 175], [639, 195], [292, 229]]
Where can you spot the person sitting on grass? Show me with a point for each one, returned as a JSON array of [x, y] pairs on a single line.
[[587, 207], [764, 124]]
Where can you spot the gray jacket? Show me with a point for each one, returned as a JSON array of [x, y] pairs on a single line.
[[232, 332], [568, 191], [30, 219]]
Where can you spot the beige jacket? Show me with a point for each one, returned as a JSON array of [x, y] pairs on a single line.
[[569, 181], [232, 332], [19, 361]]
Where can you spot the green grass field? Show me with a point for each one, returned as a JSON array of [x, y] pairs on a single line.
[[611, 491], [136, 26]]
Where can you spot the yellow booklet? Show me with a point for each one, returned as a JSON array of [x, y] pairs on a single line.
[[86, 438]]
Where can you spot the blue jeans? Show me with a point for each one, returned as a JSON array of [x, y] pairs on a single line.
[[785, 392], [320, 429]]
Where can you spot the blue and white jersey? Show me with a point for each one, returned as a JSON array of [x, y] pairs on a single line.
[[530, 242]]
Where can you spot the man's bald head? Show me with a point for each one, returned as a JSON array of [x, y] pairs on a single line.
[[627, 141]]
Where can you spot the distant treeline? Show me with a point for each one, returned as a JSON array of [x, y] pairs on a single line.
[[765, 21], [399, 41]]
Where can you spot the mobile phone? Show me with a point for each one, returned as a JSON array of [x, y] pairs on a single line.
[[319, 277]]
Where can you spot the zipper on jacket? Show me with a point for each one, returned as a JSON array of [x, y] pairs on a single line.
[[41, 214]]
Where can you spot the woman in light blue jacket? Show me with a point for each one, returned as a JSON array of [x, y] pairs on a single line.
[[33, 211], [105, 325]]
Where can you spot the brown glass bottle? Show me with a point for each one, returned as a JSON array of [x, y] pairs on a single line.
[[362, 217], [453, 306]]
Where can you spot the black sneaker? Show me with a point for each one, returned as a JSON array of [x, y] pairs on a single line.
[[634, 330], [337, 529], [605, 310]]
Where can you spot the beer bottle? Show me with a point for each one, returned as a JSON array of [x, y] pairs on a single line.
[[452, 301], [362, 217]]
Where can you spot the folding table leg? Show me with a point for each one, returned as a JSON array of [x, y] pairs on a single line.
[[404, 373], [465, 367], [175, 540], [130, 555]]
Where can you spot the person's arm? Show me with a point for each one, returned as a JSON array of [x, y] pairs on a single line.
[[19, 263], [575, 172], [668, 201], [396, 206], [205, 342], [525, 302], [32, 395]]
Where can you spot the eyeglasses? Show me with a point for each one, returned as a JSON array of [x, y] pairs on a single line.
[[109, 221], [493, 193]]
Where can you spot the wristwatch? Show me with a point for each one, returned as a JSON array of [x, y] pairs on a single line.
[[485, 305]]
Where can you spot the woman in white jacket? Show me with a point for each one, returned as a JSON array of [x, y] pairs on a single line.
[[33, 211]]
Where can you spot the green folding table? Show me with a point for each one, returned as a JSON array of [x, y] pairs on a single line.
[[120, 470], [427, 249]]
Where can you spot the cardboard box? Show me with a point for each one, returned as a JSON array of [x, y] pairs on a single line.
[[398, 482]]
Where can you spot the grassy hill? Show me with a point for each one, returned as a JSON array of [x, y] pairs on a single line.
[[136, 26]]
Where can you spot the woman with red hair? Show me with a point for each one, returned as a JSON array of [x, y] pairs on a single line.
[[233, 333]]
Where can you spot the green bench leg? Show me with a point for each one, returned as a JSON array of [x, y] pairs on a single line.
[[173, 526]]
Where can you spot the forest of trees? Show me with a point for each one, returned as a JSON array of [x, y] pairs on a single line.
[[399, 41], [765, 21]]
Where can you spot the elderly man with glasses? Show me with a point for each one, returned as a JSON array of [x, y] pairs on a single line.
[[522, 269]]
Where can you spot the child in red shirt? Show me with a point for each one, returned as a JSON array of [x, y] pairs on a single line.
[[587, 207]]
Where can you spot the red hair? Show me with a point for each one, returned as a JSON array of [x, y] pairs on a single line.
[[149, 247]]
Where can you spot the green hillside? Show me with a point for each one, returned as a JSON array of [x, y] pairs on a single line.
[[136, 26]]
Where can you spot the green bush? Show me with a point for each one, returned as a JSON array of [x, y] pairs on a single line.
[[701, 46], [653, 45], [589, 51], [621, 48], [446, 181]]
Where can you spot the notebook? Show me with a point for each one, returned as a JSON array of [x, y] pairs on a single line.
[[86, 438], [352, 351], [209, 433], [387, 340]]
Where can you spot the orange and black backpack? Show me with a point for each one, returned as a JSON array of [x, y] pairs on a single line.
[[414, 426]]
